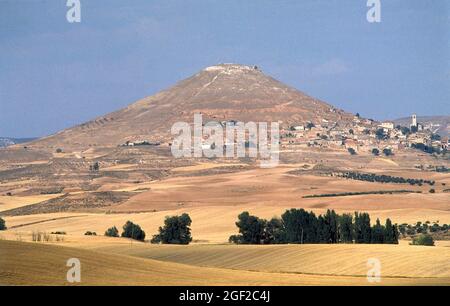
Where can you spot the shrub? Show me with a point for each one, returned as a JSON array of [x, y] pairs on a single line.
[[58, 233], [2, 225], [236, 239], [351, 151], [112, 232], [89, 233], [133, 231], [432, 190], [59, 150], [387, 152], [423, 239], [95, 167], [176, 230]]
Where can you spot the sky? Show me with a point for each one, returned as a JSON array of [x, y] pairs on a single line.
[[55, 74]]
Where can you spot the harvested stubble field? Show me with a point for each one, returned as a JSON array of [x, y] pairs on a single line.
[[25, 263]]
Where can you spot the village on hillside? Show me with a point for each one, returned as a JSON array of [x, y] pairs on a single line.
[[365, 136]]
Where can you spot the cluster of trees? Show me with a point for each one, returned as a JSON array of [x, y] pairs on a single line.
[[370, 177], [428, 149], [95, 167], [130, 230], [405, 130], [176, 230], [442, 169], [133, 231], [2, 225], [300, 226], [381, 135], [422, 228], [112, 232]]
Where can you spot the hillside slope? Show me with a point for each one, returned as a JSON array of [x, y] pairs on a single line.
[[222, 92]]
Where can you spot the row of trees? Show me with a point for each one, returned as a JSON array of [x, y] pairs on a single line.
[[300, 226], [176, 230], [428, 149], [371, 177]]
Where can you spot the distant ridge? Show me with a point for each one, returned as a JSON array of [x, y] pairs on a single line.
[[7, 141]]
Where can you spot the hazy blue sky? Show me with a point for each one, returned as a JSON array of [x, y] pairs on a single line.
[[54, 74]]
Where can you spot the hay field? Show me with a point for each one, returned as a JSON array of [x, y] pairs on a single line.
[[343, 260], [32, 263]]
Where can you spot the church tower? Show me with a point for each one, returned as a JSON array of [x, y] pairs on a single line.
[[414, 120]]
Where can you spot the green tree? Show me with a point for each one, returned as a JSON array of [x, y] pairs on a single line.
[[176, 230], [95, 167], [2, 225], [362, 229], [378, 233], [346, 228], [405, 130], [323, 232], [310, 125], [387, 152], [331, 224], [133, 231], [112, 232], [380, 134], [423, 239], [251, 229], [391, 232], [300, 226], [375, 151], [274, 232]]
